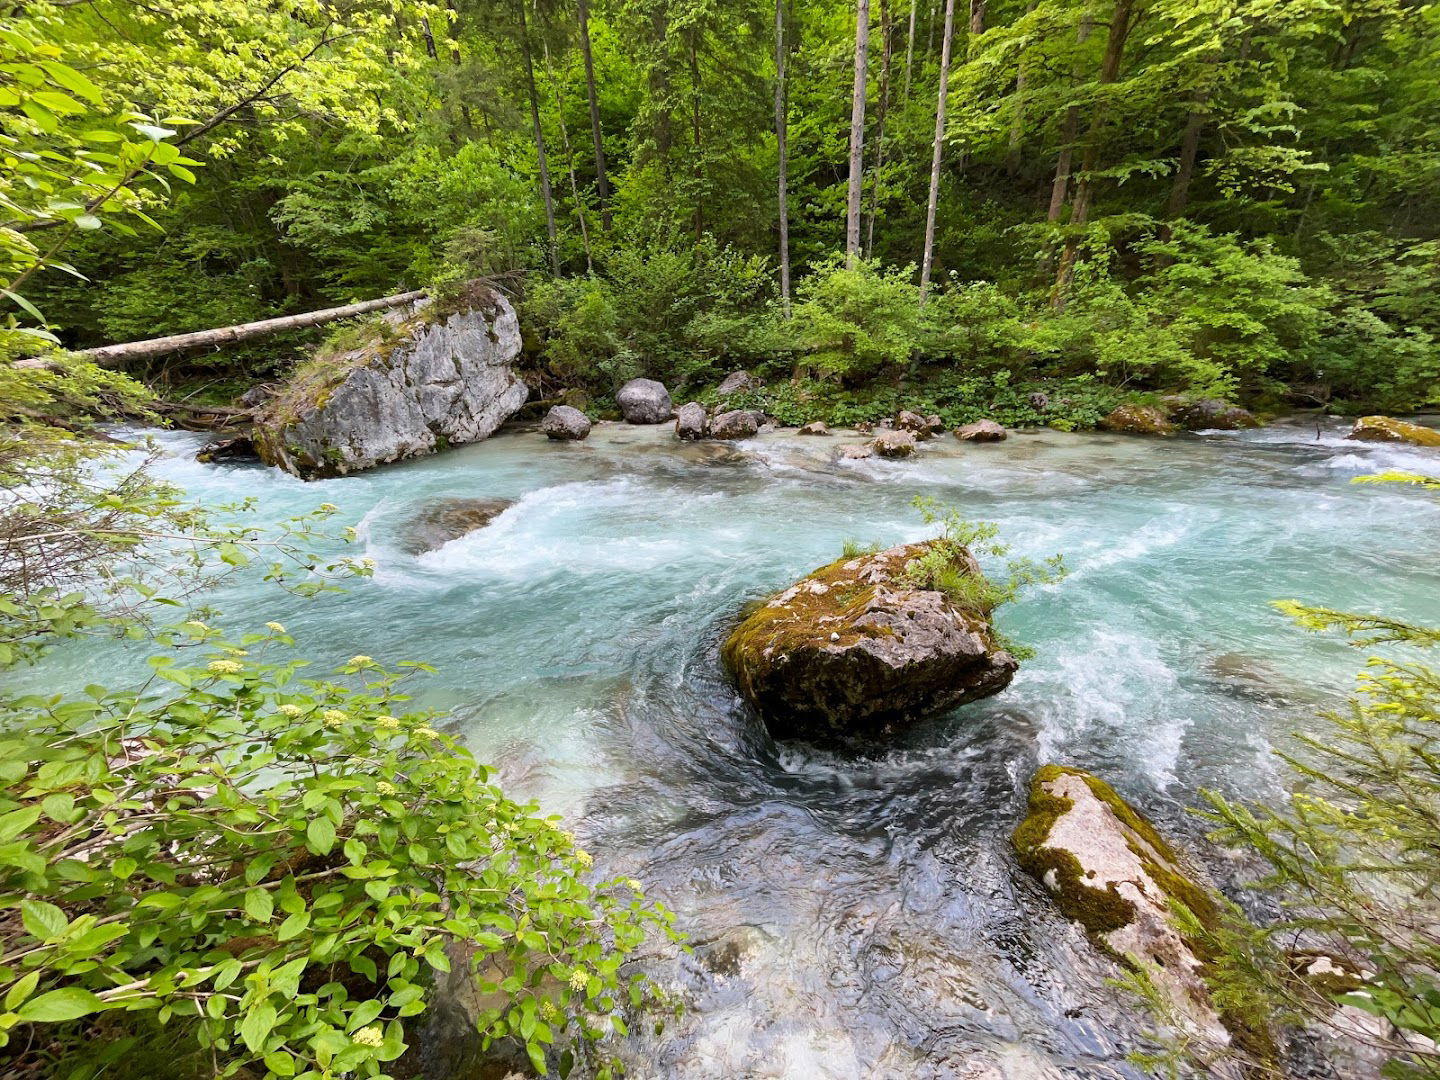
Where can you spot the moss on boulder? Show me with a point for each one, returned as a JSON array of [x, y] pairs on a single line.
[[1388, 429], [1135, 419], [853, 649]]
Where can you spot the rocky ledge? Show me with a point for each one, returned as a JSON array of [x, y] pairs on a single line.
[[854, 650], [1388, 429], [431, 379]]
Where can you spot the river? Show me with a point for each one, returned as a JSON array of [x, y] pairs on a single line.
[[858, 918]]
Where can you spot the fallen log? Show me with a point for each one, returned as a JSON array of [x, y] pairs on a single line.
[[114, 355]]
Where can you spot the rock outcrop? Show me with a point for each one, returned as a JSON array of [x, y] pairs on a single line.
[[913, 422], [735, 424], [1108, 869], [737, 382], [980, 431], [449, 520], [563, 422], [894, 444], [432, 379], [815, 427], [1138, 420], [691, 422], [1201, 414], [856, 649], [644, 401], [1388, 429]]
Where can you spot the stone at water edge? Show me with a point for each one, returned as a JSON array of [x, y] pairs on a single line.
[[735, 424], [691, 422], [236, 448], [1107, 868], [433, 379], [1138, 420], [980, 431], [1207, 414], [1388, 429], [563, 422], [438, 524], [913, 422], [853, 649], [934, 425], [644, 401], [894, 444], [815, 427]]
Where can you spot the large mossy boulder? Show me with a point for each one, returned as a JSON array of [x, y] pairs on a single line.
[[427, 377], [1207, 414], [1108, 869], [856, 650], [1138, 420], [1388, 429]]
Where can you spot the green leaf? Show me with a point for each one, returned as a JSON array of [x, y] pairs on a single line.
[[537, 1057], [256, 1025], [67, 1003], [320, 835], [259, 905], [20, 990], [294, 926], [43, 920], [280, 1063]]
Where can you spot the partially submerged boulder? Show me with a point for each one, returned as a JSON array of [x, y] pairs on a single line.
[[894, 444], [1108, 869], [691, 422], [450, 519], [236, 448], [913, 422], [1388, 429], [857, 453], [431, 379], [563, 422], [1138, 420], [644, 401], [1201, 414], [815, 427], [855, 649], [735, 424], [980, 431]]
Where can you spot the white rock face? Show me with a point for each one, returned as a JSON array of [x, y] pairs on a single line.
[[447, 381]]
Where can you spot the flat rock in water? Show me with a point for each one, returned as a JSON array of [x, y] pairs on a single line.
[[1201, 414], [644, 401], [894, 444], [980, 431], [855, 650], [432, 380], [735, 424], [691, 422], [437, 525], [857, 453], [1388, 429], [815, 427], [563, 422]]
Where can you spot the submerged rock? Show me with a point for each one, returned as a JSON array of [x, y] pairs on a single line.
[[980, 431], [894, 444], [735, 424], [433, 379], [815, 427], [854, 649], [1207, 414], [857, 453], [1108, 869], [565, 422], [1388, 429], [437, 525], [644, 401], [1138, 420], [236, 448], [691, 421]]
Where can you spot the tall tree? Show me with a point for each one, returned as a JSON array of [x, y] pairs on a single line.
[[884, 107], [909, 52], [1069, 130], [539, 133], [602, 180], [781, 137], [940, 97], [857, 133]]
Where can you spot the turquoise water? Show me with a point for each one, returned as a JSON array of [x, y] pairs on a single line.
[[858, 918]]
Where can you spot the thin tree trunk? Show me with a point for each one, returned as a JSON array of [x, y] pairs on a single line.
[[879, 127], [977, 27], [659, 79], [697, 160], [602, 181], [1017, 118], [909, 50], [1059, 189], [1189, 149], [539, 142], [781, 132], [857, 134], [429, 38], [113, 355], [569, 160], [941, 95]]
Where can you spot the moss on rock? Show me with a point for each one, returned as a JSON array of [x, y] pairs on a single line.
[[1388, 429]]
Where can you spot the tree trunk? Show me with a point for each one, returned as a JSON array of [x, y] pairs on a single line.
[[977, 21], [1059, 190], [940, 97], [879, 126], [909, 51], [857, 134], [1017, 118], [659, 80], [781, 132], [602, 181], [1189, 149], [697, 161], [1119, 32], [569, 160], [114, 355], [539, 142], [429, 38]]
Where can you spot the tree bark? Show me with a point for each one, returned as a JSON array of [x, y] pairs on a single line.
[[602, 181], [569, 160], [1059, 189], [697, 160], [879, 126], [781, 133], [857, 134], [1189, 150], [909, 51], [1017, 118], [545, 191], [941, 95], [113, 355]]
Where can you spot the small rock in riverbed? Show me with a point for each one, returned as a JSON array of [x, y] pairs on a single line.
[[816, 427], [563, 422], [735, 424], [1202, 414], [980, 431], [691, 422], [894, 444], [644, 401], [857, 453]]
